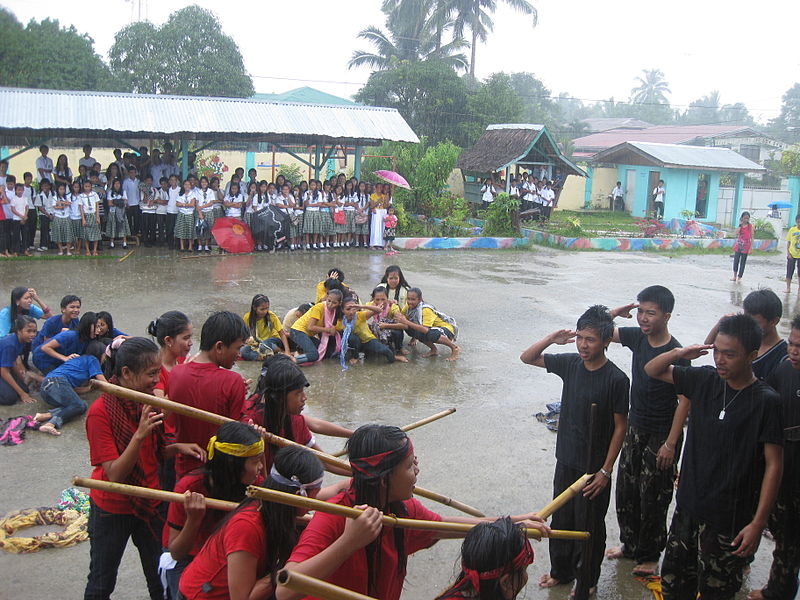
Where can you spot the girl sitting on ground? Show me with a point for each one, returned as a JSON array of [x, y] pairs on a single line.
[[24, 301], [396, 285], [358, 337], [13, 375], [385, 325], [266, 331], [428, 325], [105, 327], [318, 332], [66, 345]]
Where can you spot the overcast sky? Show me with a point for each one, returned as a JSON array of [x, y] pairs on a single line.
[[592, 50]]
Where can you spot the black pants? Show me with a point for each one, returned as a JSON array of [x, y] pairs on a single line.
[[739, 261], [148, 228], [161, 229], [44, 232], [108, 535], [134, 215], [371, 348], [659, 209], [791, 263], [566, 556], [15, 241], [29, 229], [170, 231], [5, 226]]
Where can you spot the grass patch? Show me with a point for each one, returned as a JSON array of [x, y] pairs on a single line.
[[568, 222], [57, 257]]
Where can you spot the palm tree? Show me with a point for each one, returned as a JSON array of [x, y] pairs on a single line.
[[415, 30], [476, 15], [652, 88]]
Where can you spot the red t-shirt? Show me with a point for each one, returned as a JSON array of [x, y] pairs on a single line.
[[164, 377], [300, 431], [244, 531], [176, 515], [208, 387], [102, 449], [325, 528]]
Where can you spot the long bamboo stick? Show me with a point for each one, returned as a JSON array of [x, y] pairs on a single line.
[[311, 586], [411, 426], [564, 497], [204, 415], [160, 495], [353, 513]]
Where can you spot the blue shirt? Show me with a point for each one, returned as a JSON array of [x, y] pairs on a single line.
[[5, 317], [77, 370], [68, 343], [51, 327], [10, 349]]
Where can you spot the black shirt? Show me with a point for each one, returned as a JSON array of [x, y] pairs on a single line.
[[723, 460], [786, 381], [653, 401], [607, 387], [767, 362]]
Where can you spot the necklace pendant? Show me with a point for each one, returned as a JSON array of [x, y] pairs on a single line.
[[722, 414]]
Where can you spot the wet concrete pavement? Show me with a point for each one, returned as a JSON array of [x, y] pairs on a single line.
[[492, 453]]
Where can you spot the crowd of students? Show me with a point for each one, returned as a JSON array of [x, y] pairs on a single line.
[[743, 420], [141, 196]]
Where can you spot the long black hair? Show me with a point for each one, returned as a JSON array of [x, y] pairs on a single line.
[[16, 295], [86, 326], [488, 546], [171, 324], [136, 353], [252, 322], [403, 283], [222, 475], [370, 440], [279, 376]]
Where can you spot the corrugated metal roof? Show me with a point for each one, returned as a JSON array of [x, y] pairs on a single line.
[[57, 113], [306, 95], [678, 155], [660, 134]]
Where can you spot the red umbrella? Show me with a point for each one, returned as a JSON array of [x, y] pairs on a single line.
[[232, 235], [393, 178]]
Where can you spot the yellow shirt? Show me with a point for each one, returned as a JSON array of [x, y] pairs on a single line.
[[315, 312], [322, 292], [431, 319], [361, 329], [793, 237], [401, 294], [394, 310], [265, 331]]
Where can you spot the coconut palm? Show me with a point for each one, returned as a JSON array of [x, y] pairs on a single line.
[[652, 88], [476, 15]]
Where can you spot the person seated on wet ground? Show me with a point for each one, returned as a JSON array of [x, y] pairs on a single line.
[[208, 383], [396, 285], [291, 317], [358, 337], [317, 333], [784, 521], [14, 378], [384, 325], [731, 467], [648, 463], [428, 325], [324, 286], [59, 387], [494, 563], [589, 378], [364, 555], [24, 301], [68, 319], [241, 558], [266, 331], [66, 345], [105, 327], [278, 403], [234, 462], [766, 309]]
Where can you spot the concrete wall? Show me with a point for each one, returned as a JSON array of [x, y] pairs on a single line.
[[574, 193], [754, 201]]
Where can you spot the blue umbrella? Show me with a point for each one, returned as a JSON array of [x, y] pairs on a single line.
[[780, 205]]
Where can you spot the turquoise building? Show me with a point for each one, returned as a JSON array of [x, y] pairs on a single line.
[[691, 176]]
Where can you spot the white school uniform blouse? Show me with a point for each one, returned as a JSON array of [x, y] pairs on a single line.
[[28, 194], [281, 202], [234, 211], [259, 203], [186, 197], [20, 205], [75, 207], [161, 195], [46, 201], [206, 197], [308, 197], [63, 212], [350, 198], [174, 193], [89, 202]]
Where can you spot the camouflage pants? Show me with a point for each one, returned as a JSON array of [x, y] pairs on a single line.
[[784, 523], [698, 559], [644, 493]]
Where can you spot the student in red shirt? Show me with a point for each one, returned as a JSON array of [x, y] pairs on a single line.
[[234, 462], [125, 446], [494, 562], [361, 555], [240, 560], [208, 383], [277, 405], [173, 332]]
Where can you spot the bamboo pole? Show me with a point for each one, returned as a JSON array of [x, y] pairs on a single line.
[[145, 492], [411, 426], [353, 513], [564, 497], [204, 415], [311, 586]]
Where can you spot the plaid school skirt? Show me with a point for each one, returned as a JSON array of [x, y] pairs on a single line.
[[341, 228], [312, 222], [91, 231], [360, 228], [61, 230], [184, 227], [116, 229], [296, 230], [77, 229]]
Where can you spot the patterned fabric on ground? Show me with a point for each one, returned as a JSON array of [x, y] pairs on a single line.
[[74, 499], [74, 531], [12, 431]]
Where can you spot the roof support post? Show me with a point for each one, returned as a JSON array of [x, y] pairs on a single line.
[[293, 154], [249, 162], [127, 145], [357, 163], [184, 159], [203, 147], [587, 188], [317, 161], [737, 199]]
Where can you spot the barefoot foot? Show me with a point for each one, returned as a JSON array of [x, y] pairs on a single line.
[[400, 358], [645, 568], [50, 428], [430, 354], [42, 417], [454, 354], [353, 361], [545, 581], [756, 595], [615, 552]]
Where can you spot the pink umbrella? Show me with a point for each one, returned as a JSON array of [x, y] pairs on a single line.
[[393, 178]]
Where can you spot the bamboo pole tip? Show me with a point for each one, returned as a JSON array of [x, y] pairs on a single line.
[[283, 576]]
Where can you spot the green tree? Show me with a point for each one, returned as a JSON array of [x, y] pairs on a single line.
[[46, 55], [652, 88], [790, 161], [494, 101], [786, 126], [537, 103], [187, 55], [704, 110]]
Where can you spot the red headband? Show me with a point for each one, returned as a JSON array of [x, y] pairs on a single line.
[[523, 559], [378, 465]]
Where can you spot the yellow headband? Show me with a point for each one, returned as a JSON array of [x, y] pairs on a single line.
[[235, 449]]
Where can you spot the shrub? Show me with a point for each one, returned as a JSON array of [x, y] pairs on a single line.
[[499, 217], [292, 172], [763, 230]]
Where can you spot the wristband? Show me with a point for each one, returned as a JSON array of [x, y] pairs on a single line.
[[666, 445], [607, 474]]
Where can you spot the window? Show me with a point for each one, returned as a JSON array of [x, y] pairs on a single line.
[[750, 151]]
